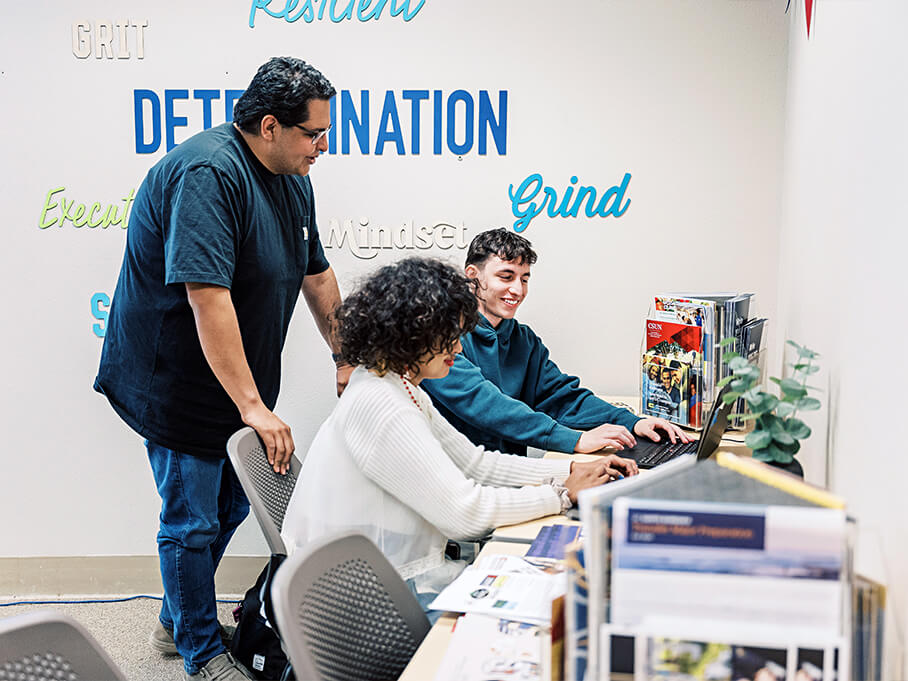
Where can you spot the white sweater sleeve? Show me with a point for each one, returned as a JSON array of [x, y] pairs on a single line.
[[493, 467], [394, 447]]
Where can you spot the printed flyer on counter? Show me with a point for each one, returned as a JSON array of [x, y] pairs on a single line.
[[487, 648], [503, 586]]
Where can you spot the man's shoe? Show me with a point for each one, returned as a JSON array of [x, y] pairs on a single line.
[[222, 668], [161, 639]]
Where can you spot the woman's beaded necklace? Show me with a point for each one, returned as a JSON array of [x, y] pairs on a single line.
[[406, 383]]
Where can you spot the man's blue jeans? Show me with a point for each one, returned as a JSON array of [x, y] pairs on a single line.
[[202, 504]]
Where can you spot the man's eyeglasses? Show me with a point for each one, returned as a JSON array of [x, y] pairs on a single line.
[[314, 136]]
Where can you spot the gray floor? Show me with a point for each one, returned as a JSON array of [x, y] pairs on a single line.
[[122, 629]]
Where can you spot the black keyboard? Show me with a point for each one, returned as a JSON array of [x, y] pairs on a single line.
[[666, 452]]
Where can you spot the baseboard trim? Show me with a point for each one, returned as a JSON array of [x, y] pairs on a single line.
[[56, 576]]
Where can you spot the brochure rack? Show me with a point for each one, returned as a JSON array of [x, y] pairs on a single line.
[[681, 361], [728, 563]]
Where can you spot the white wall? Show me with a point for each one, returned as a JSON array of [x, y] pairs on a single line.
[[843, 264], [687, 97]]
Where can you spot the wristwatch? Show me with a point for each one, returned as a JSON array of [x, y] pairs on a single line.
[[562, 493]]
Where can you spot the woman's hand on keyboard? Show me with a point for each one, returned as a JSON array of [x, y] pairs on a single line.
[[594, 473]]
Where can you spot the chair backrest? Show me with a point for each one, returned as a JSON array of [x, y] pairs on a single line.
[[344, 613], [50, 645], [267, 491]]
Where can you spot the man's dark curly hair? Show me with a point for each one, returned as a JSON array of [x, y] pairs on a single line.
[[403, 312], [506, 245], [282, 87]]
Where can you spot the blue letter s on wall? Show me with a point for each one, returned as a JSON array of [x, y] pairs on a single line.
[[99, 300]]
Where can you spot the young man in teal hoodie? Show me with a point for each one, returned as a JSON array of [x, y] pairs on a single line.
[[504, 392]]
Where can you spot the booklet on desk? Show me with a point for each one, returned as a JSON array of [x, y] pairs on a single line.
[[485, 648], [503, 587], [548, 547]]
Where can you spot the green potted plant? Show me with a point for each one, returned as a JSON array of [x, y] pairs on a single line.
[[777, 432]]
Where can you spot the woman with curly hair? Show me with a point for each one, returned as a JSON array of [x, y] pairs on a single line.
[[387, 464]]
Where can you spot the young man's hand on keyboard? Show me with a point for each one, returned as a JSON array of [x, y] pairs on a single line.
[[606, 436], [650, 426]]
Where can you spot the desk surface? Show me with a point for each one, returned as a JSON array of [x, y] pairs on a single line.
[[424, 664]]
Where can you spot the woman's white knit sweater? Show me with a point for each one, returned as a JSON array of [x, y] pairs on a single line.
[[388, 465]]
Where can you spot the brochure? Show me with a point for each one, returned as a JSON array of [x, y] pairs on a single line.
[[485, 648], [666, 388], [548, 547], [517, 594], [732, 653], [772, 566]]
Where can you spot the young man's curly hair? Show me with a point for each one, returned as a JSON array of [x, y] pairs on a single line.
[[404, 312]]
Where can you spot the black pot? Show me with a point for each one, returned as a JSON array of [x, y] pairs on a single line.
[[793, 467]]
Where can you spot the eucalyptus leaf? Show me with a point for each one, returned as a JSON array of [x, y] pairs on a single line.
[[784, 409], [725, 381], [725, 342], [758, 439], [739, 384], [809, 403], [737, 363], [760, 402], [779, 455], [793, 344], [782, 437], [790, 448], [775, 380], [789, 384], [728, 398], [729, 355], [806, 368], [762, 455], [792, 387], [750, 371], [797, 428]]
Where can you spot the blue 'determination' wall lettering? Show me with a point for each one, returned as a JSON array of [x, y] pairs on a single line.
[[460, 120], [314, 10], [525, 207], [148, 122]]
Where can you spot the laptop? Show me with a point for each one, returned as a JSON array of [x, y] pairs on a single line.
[[649, 454]]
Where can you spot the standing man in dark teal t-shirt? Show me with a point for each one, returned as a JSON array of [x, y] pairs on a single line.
[[221, 241]]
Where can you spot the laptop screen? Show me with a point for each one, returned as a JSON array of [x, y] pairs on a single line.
[[718, 422]]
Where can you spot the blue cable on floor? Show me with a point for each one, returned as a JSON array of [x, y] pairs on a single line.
[[102, 600]]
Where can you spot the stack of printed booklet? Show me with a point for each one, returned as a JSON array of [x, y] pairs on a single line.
[[681, 361]]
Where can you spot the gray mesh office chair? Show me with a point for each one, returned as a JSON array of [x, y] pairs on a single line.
[[268, 492], [344, 613], [47, 645]]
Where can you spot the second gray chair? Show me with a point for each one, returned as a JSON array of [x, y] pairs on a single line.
[[48, 645], [267, 491], [344, 613]]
